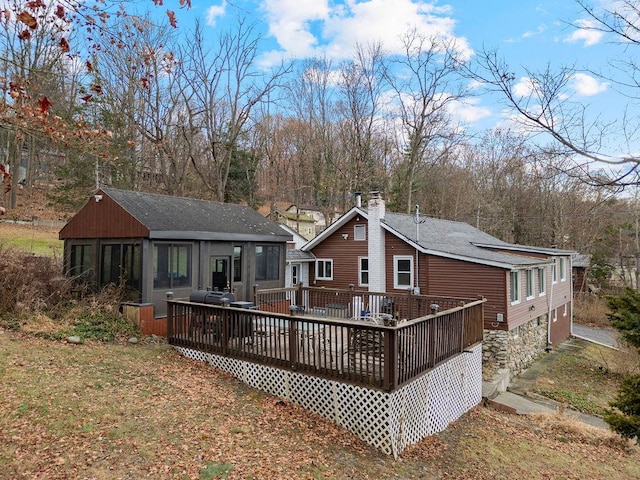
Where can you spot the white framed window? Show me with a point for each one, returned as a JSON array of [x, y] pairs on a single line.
[[363, 271], [359, 232], [565, 309], [402, 271], [295, 272], [554, 314], [554, 271], [563, 269], [324, 269], [515, 287], [542, 281], [529, 277], [515, 332]]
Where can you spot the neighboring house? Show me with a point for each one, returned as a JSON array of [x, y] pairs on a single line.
[[580, 265], [157, 243], [300, 222], [528, 289], [297, 269]]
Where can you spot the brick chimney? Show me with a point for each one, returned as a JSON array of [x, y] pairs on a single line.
[[376, 244]]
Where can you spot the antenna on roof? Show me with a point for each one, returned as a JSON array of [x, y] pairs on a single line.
[[417, 221]]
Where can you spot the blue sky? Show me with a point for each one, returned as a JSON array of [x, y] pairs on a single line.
[[526, 33]]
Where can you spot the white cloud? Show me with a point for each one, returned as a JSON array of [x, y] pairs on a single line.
[[290, 24], [534, 33], [587, 86], [585, 33], [469, 111], [216, 11], [314, 28], [524, 87]]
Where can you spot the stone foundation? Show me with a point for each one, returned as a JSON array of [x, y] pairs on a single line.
[[516, 349]]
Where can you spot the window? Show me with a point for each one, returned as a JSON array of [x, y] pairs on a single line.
[[554, 315], [324, 269], [359, 232], [237, 264], [267, 262], [294, 273], [515, 332], [565, 309], [563, 270], [171, 265], [121, 263], [529, 284], [541, 281], [81, 262], [554, 271], [515, 287], [402, 272], [363, 271]]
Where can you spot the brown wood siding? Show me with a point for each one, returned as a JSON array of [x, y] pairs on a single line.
[[455, 278], [561, 328], [396, 246], [344, 254], [103, 219]]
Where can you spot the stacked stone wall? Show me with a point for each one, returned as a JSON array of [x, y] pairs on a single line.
[[516, 349]]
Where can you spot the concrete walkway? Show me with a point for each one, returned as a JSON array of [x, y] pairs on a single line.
[[520, 400]]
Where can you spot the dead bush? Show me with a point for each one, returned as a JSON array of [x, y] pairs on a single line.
[[29, 283], [591, 310], [567, 428]]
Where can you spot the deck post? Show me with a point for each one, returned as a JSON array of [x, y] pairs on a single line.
[[225, 330], [390, 381], [169, 314]]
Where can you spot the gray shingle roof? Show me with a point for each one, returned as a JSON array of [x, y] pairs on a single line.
[[180, 217], [296, 255], [458, 239]]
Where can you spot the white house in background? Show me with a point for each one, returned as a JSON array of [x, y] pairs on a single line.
[[297, 261]]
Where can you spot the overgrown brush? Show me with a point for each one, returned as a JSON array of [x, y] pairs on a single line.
[[591, 310], [570, 429], [29, 283], [38, 299]]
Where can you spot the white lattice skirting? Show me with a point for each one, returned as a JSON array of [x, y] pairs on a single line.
[[388, 421]]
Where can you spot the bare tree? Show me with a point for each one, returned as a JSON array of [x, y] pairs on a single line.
[[225, 86], [547, 106], [35, 72], [424, 84], [360, 91]]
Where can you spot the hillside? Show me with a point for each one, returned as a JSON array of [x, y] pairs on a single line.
[[33, 204], [142, 411]]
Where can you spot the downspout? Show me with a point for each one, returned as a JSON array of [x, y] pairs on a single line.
[[570, 274], [549, 305]]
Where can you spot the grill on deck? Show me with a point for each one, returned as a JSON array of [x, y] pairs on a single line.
[[238, 326], [212, 297]]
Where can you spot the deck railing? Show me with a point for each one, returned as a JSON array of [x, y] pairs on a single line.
[[344, 349], [351, 303]]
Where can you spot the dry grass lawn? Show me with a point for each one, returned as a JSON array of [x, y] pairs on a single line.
[[39, 240], [120, 411]]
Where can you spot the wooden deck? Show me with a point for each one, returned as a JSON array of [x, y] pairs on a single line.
[[357, 350]]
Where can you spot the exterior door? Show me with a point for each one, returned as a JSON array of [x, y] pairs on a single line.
[[295, 273], [219, 273]]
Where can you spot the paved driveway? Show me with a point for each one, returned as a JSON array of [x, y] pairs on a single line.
[[603, 336]]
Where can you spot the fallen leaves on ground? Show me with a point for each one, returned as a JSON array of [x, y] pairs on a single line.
[[113, 411]]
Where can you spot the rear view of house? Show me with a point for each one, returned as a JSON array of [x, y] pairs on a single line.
[[528, 289], [158, 244]]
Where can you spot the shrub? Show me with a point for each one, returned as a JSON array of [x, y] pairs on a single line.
[[29, 283], [625, 315], [626, 419]]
